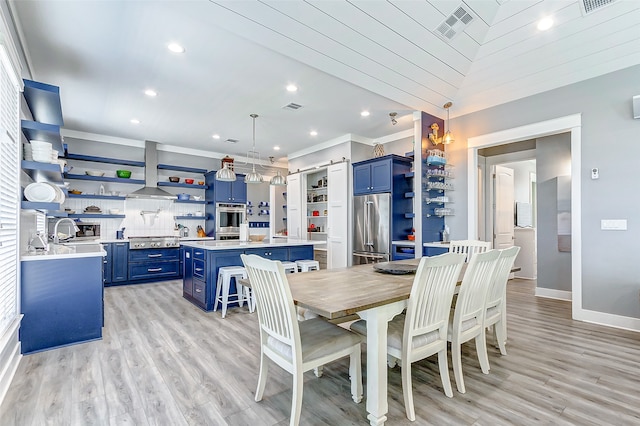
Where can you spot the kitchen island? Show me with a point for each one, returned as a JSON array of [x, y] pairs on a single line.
[[61, 296], [203, 259]]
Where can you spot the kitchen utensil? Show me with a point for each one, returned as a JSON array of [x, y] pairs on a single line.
[[92, 209], [411, 237], [201, 233], [75, 192], [94, 173], [197, 197], [189, 181], [184, 197], [69, 211], [184, 231], [114, 211], [315, 213], [174, 179], [40, 192], [125, 174], [200, 182], [257, 238]]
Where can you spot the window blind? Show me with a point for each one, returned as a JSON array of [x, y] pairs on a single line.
[[9, 195]]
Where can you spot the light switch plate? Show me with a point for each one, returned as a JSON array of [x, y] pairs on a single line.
[[595, 173], [613, 224]]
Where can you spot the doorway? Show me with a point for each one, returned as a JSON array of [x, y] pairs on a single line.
[[570, 124]]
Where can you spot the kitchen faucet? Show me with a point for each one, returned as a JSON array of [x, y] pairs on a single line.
[[56, 240]]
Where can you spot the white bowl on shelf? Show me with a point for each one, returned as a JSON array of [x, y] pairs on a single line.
[[94, 173], [114, 211], [40, 144]]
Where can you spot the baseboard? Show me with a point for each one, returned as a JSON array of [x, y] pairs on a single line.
[[10, 356], [609, 320], [551, 293]]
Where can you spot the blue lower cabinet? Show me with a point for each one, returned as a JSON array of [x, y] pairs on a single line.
[[107, 263], [301, 253], [119, 262], [271, 253], [62, 302], [200, 279], [434, 251], [153, 270], [399, 252]]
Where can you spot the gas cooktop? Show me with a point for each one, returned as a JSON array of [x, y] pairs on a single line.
[[138, 243]]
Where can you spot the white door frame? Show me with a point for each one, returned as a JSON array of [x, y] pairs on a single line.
[[570, 123]]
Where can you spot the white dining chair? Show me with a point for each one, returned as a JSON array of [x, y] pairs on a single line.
[[496, 300], [295, 346], [468, 316], [422, 331], [469, 247]]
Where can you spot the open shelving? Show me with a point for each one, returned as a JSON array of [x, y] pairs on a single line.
[[96, 196], [181, 169], [42, 172], [104, 179], [33, 130], [105, 160], [44, 102], [96, 216], [183, 185], [192, 217], [190, 201]]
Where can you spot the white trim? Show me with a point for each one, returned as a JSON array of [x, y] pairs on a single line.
[[349, 137], [102, 138], [571, 123], [395, 136], [551, 293], [609, 320], [9, 369]]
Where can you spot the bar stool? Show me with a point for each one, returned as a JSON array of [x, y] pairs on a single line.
[[289, 267], [308, 265], [225, 273]]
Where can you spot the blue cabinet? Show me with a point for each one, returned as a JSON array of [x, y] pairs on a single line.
[[119, 262], [154, 264], [200, 281], [376, 175], [434, 251], [231, 192], [61, 301], [107, 263]]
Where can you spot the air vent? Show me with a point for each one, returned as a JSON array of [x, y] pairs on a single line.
[[231, 141], [292, 106], [590, 6], [454, 24]]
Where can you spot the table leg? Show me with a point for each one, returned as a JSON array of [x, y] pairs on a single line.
[[377, 321]]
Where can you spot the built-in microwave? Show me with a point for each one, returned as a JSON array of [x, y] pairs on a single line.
[[88, 231], [228, 220]]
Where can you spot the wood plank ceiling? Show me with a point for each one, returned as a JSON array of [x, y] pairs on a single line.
[[344, 55]]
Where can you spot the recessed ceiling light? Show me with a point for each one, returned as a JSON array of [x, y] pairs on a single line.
[[292, 88], [545, 23], [364, 113], [175, 48], [216, 136], [151, 92], [313, 133], [135, 121], [276, 148]]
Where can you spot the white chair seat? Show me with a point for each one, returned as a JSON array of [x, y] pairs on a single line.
[[290, 267], [318, 338], [308, 265], [395, 332]]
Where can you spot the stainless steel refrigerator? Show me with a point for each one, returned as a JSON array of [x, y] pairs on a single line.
[[371, 233]]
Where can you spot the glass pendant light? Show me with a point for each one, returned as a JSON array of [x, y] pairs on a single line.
[[278, 180], [448, 138], [225, 174], [253, 176]]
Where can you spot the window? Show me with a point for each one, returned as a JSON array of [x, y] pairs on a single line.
[[9, 193]]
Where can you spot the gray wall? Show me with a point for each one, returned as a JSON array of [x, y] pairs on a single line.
[[553, 153], [610, 278]]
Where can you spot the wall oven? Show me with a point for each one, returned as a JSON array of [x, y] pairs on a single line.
[[228, 220]]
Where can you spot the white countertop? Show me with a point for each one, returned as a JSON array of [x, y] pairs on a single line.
[[235, 244], [66, 251], [436, 244], [408, 243], [126, 240]]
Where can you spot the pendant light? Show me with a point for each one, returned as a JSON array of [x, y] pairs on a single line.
[[225, 174], [447, 138], [278, 180], [253, 176]]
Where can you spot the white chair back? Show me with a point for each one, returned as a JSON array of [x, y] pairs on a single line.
[[498, 285], [473, 290], [431, 296], [276, 311], [469, 247]]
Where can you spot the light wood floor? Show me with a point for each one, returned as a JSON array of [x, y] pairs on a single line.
[[165, 362]]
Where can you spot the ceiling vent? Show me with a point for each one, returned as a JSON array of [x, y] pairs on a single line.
[[231, 141], [455, 24], [292, 106], [590, 6]]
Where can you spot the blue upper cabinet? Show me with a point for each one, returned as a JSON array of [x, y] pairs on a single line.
[[231, 192], [376, 175], [44, 103]]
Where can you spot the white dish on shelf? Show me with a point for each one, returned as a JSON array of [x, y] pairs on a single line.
[[40, 144], [40, 192], [94, 173], [60, 197]]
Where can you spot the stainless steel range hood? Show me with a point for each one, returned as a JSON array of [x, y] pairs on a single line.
[[151, 189]]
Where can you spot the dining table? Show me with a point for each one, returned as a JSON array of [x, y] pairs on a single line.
[[376, 293]]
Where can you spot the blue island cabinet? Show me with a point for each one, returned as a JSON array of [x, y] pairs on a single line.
[[201, 268], [61, 300]]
